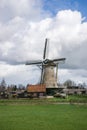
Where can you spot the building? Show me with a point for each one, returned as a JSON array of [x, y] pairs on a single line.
[[75, 90], [35, 91]]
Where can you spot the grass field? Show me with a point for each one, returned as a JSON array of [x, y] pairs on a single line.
[[43, 117]]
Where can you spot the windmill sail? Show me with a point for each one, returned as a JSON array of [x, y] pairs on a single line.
[[44, 54], [47, 68], [37, 62]]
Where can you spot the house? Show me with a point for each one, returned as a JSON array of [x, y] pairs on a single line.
[[36, 91], [75, 90]]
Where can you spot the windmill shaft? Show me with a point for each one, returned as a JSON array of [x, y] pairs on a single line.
[[41, 74]]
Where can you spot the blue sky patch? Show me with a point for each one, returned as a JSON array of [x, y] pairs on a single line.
[[54, 6]]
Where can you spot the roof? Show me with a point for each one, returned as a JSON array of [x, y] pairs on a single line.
[[36, 88]]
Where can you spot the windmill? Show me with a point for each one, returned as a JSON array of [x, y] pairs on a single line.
[[48, 76]]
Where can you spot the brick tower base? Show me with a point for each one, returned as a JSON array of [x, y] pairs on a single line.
[[50, 79]]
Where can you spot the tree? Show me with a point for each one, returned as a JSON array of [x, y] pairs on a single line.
[[69, 83], [14, 88], [21, 87], [3, 84], [82, 85]]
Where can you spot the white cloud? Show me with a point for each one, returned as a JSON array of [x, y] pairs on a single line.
[[19, 74], [68, 18], [30, 9], [22, 40], [77, 75]]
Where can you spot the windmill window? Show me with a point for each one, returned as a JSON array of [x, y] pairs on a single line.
[[52, 75], [53, 84]]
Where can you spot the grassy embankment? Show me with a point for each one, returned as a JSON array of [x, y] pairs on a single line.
[[70, 99]]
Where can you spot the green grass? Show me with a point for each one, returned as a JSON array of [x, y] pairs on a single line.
[[78, 98], [43, 117]]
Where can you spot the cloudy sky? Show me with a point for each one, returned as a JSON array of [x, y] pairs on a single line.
[[24, 25]]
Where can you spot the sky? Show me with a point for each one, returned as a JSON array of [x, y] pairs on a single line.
[[25, 24]]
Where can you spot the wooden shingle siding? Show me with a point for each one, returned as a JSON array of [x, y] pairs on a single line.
[[36, 88]]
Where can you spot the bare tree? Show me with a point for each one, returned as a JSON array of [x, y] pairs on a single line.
[[3, 84], [69, 83]]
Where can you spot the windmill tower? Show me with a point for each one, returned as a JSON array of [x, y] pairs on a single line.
[[50, 79], [48, 76]]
